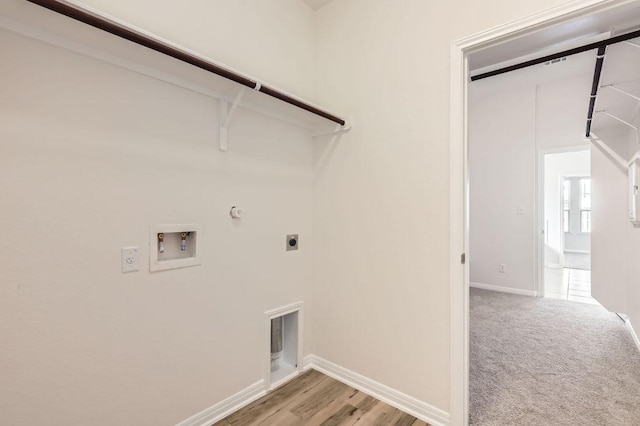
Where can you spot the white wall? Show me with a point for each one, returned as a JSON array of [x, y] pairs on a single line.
[[616, 241], [502, 152], [272, 40], [558, 165], [91, 168], [91, 156], [561, 108], [381, 217], [609, 228], [511, 118], [633, 266]]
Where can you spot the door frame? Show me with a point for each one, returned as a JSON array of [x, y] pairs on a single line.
[[459, 183], [540, 206]]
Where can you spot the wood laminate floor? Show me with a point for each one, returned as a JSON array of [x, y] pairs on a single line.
[[315, 399]]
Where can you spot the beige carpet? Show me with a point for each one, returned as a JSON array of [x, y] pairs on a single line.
[[538, 361]]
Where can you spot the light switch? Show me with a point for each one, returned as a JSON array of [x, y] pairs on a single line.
[[130, 259], [521, 209]]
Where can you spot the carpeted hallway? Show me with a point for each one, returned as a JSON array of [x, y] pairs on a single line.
[[536, 361]]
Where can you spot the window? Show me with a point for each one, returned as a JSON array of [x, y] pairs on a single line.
[[585, 194], [566, 193], [585, 221], [585, 205]]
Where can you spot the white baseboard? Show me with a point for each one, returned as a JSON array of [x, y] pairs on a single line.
[[284, 380], [399, 400], [633, 333], [501, 289], [222, 409]]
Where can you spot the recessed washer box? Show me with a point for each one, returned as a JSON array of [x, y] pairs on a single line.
[[174, 246]]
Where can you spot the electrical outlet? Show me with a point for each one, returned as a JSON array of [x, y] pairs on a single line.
[[521, 209], [502, 268], [292, 242], [130, 259]]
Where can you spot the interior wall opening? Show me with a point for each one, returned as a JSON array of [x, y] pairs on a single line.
[[527, 237], [566, 212]]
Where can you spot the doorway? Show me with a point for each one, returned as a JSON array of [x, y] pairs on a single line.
[[459, 179], [566, 213]]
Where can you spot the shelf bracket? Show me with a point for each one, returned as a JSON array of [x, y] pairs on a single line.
[[635, 128], [617, 119], [630, 43], [624, 92], [338, 129], [606, 150], [226, 115]]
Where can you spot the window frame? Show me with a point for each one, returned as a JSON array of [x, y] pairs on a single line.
[[566, 206], [584, 182]]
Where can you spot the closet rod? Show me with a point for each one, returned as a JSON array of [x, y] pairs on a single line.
[[146, 41], [569, 52], [597, 72]]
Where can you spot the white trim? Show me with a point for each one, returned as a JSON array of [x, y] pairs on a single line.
[[578, 251], [560, 211], [540, 231], [586, 146], [397, 399], [284, 310], [459, 284], [538, 210], [503, 289], [284, 380], [633, 333], [574, 175], [224, 408], [307, 364], [459, 238]]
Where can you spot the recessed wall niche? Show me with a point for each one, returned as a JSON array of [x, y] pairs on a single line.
[[174, 246], [283, 357]]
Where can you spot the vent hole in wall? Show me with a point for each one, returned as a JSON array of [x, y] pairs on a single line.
[[556, 61], [284, 347]]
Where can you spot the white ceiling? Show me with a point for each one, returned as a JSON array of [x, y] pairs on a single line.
[[317, 4], [618, 20], [576, 67], [621, 68]]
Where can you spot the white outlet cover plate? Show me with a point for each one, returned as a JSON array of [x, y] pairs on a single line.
[[130, 259]]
